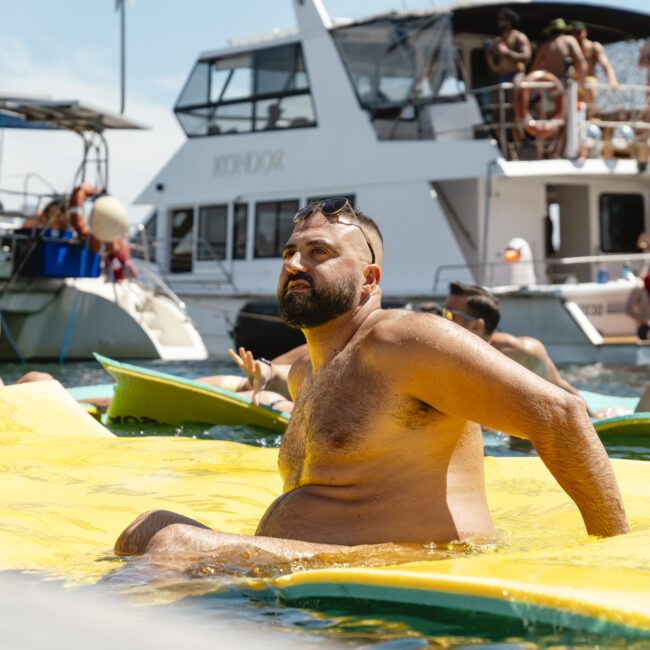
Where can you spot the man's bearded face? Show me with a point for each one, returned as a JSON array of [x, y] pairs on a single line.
[[314, 307]]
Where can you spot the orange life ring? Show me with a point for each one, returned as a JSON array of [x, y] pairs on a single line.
[[544, 130], [75, 210]]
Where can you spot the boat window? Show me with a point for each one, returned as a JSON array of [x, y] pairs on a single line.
[[181, 240], [240, 230], [399, 65], [622, 220], [194, 122], [213, 225], [231, 118], [273, 226], [256, 91], [196, 87]]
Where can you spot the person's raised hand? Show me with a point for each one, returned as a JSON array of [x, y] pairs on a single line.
[[258, 373]]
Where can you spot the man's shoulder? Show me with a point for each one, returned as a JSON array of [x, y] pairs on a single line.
[[398, 328], [522, 344]]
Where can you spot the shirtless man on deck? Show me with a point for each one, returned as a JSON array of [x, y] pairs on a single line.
[[559, 47], [509, 53], [384, 444], [595, 56]]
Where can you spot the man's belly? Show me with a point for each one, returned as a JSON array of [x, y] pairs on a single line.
[[338, 515]]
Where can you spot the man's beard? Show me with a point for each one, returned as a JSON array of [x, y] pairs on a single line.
[[316, 307]]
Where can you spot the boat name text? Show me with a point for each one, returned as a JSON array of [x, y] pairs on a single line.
[[249, 162]]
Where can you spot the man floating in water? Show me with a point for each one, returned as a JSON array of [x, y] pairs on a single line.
[[384, 444]]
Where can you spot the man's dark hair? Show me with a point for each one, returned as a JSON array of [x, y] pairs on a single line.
[[511, 16], [368, 223], [356, 216], [481, 303]]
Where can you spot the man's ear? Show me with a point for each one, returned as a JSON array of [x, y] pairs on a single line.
[[372, 276], [477, 326]]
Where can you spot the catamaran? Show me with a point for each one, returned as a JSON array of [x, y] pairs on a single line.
[[398, 113]]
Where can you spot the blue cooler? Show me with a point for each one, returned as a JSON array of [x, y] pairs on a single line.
[[58, 256]]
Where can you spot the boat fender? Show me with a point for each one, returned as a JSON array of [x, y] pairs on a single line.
[[544, 130], [109, 219]]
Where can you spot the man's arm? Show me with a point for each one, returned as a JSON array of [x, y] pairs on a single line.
[[459, 374], [523, 53], [606, 65], [579, 61]]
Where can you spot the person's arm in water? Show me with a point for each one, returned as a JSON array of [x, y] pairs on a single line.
[[459, 374]]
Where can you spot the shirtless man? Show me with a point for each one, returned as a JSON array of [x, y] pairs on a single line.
[[384, 444], [595, 55], [559, 47], [477, 310], [509, 53]]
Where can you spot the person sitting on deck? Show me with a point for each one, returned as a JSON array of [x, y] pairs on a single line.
[[385, 445]]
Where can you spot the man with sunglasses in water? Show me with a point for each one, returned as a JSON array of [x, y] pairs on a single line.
[[477, 310], [384, 446]]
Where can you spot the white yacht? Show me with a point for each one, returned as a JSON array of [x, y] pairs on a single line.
[[398, 113], [55, 301]]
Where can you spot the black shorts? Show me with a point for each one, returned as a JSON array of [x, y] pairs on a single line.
[[643, 331]]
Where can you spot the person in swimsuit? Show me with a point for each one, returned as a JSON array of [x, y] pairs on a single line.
[[385, 444], [595, 56], [560, 47], [509, 53]]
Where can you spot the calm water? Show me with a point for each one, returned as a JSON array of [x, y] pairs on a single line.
[[368, 626]]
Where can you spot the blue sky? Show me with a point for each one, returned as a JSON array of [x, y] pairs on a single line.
[[70, 49]]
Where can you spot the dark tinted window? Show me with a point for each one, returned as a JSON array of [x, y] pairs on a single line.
[[239, 231], [273, 226], [255, 91], [213, 225], [622, 220]]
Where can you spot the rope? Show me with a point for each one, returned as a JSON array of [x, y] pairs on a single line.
[[12, 341]]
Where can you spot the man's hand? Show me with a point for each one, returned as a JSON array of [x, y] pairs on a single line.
[[258, 373]]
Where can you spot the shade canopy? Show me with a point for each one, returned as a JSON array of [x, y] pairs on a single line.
[[71, 115]]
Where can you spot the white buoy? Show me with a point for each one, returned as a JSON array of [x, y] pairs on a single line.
[[109, 219]]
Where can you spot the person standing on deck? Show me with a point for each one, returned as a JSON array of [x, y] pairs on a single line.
[[595, 55], [509, 53], [560, 47]]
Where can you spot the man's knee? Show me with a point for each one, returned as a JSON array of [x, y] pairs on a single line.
[[136, 536]]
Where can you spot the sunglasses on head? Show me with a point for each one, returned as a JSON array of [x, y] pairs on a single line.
[[450, 313], [332, 209]]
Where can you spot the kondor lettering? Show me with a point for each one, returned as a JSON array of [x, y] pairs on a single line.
[[249, 162]]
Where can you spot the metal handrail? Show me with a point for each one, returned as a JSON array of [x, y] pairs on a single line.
[[539, 262], [202, 242]]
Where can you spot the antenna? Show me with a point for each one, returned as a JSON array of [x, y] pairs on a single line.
[[120, 5]]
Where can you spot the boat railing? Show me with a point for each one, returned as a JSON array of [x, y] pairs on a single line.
[[148, 249], [557, 270], [593, 120]]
